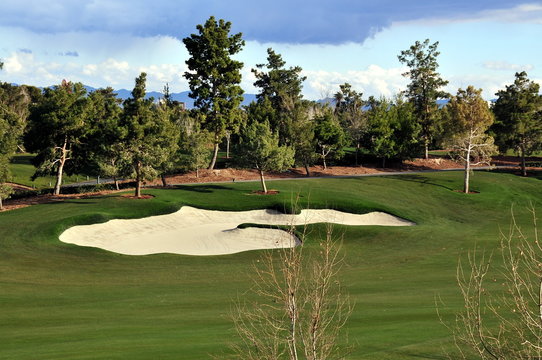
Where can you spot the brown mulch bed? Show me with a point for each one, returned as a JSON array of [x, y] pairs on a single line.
[[269, 192], [233, 175], [142, 197]]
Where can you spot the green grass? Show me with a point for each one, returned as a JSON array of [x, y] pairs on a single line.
[[60, 301], [22, 170]]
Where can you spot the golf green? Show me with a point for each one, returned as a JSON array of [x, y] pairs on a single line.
[[61, 301]]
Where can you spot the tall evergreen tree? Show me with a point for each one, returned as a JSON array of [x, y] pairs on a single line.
[[214, 77], [425, 85], [518, 112], [150, 136], [282, 86], [56, 126], [105, 154], [10, 130]]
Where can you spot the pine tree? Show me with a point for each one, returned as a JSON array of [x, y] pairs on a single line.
[[214, 77], [56, 126], [259, 149], [425, 85], [150, 136], [518, 112]]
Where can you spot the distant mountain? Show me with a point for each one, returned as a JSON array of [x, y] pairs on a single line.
[[181, 96]]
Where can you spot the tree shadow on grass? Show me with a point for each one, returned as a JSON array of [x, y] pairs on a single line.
[[420, 179], [535, 174], [201, 188], [71, 201]]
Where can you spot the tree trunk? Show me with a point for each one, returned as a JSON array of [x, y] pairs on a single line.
[[307, 170], [138, 180], [357, 152], [1, 205], [467, 173], [264, 188], [426, 144], [324, 158], [523, 167], [197, 172], [60, 169], [116, 183], [228, 136], [383, 162], [164, 181], [215, 155]]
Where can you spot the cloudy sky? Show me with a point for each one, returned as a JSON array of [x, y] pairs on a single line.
[[109, 42]]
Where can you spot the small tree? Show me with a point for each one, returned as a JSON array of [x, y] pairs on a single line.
[[305, 143], [214, 77], [329, 137], [195, 150], [259, 148], [5, 192], [349, 109], [300, 309], [470, 119]]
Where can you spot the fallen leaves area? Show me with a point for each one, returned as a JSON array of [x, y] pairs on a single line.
[[233, 175]]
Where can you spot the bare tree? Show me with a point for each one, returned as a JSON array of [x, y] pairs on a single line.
[[470, 118], [504, 325], [300, 309]]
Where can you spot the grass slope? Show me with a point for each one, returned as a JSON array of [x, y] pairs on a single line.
[[59, 301], [22, 170]]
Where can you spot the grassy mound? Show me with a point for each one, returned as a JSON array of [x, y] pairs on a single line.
[[59, 301]]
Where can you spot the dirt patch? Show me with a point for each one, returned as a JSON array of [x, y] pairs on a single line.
[[261, 192], [144, 196], [471, 192], [47, 199]]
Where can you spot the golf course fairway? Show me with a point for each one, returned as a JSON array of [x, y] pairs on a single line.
[[63, 301]]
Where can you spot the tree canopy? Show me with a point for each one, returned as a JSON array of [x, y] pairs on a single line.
[[214, 77], [150, 136], [425, 85], [470, 118], [282, 86], [259, 149], [56, 125], [518, 112]]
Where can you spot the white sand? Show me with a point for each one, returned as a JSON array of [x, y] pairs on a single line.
[[192, 231]]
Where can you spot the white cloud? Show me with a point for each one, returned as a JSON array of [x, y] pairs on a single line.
[[25, 68], [375, 81], [506, 66], [530, 13]]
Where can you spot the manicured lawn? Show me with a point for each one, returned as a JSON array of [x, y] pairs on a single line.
[[59, 301], [22, 170]]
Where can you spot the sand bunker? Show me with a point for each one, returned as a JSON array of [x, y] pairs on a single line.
[[192, 231]]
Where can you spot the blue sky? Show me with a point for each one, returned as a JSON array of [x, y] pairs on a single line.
[[108, 42]]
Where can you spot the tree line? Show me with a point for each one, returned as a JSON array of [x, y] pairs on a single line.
[[72, 131]]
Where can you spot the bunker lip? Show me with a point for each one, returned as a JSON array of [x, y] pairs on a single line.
[[192, 231]]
